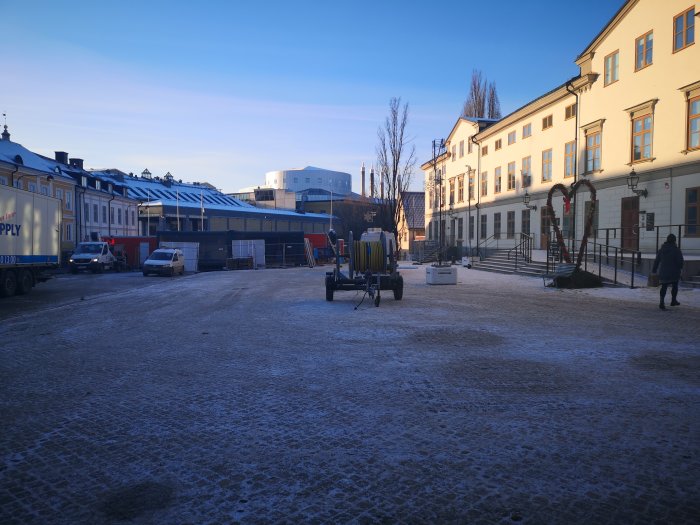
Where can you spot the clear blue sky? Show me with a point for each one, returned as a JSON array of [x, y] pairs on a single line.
[[224, 91]]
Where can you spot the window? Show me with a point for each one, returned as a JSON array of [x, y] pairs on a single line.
[[484, 228], [547, 165], [69, 232], [69, 200], [111, 215], [44, 190], [497, 225], [643, 51], [58, 193], [87, 212], [547, 122], [511, 175], [461, 149], [570, 111], [525, 220], [691, 212], [527, 130], [484, 150], [484, 183], [454, 153], [95, 214], [460, 228], [460, 189], [694, 123], [83, 181], [133, 217], [510, 224], [471, 186], [98, 185], [612, 62], [3, 180], [497, 180], [104, 214], [32, 187], [525, 170], [592, 151], [452, 191], [511, 138], [469, 145], [119, 215], [641, 138], [497, 145], [471, 227], [569, 156], [684, 29]]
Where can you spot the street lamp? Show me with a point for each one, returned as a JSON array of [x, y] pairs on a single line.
[[632, 181], [526, 201]]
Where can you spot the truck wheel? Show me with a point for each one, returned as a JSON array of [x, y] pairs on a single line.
[[329, 289], [8, 283], [24, 282], [398, 289], [74, 270]]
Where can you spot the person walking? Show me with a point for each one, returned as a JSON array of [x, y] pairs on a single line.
[[669, 263]]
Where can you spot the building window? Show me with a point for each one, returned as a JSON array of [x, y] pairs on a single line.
[[527, 130], [471, 227], [498, 145], [460, 228], [461, 149], [98, 185], [111, 215], [643, 51], [525, 219], [58, 193], [497, 225], [612, 62], [133, 217], [592, 151], [511, 138], [104, 215], [641, 138], [691, 212], [511, 175], [547, 165], [570, 111], [484, 183], [694, 123], [32, 187], [471, 186], [460, 188], [69, 200], [525, 170], [484, 151], [484, 228], [95, 213], [83, 181], [469, 145], [497, 180], [684, 29], [569, 157], [69, 232], [510, 224], [454, 153], [452, 192], [547, 122], [119, 215], [86, 213]]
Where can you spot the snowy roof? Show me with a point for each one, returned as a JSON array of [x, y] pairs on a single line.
[[14, 153]]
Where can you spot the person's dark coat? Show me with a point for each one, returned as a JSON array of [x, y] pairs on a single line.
[[669, 263]]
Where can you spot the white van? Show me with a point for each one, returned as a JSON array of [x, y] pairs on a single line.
[[165, 261]]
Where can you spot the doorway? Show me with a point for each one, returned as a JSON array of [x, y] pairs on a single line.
[[629, 223]]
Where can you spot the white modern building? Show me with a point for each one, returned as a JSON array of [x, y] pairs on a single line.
[[300, 179]]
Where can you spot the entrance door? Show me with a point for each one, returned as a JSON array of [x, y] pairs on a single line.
[[545, 227], [629, 223]]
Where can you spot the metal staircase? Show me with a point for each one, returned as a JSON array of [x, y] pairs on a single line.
[[498, 261]]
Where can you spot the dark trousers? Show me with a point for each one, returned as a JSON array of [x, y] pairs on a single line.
[[674, 290]]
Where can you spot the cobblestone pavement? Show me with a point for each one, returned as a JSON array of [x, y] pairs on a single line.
[[246, 397]]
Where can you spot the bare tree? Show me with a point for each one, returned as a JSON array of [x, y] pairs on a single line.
[[493, 105], [482, 100], [396, 158]]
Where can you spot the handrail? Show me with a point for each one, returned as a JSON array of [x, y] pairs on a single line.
[[524, 248], [483, 245], [607, 233]]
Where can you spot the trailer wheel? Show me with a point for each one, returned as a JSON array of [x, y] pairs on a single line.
[[329, 289], [398, 289], [24, 282], [8, 283]]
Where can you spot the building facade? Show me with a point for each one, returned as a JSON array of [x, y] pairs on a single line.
[[634, 109]]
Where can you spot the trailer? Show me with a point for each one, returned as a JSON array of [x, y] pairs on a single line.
[[372, 266], [30, 246]]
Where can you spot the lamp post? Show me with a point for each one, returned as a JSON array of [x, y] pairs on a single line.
[[633, 181]]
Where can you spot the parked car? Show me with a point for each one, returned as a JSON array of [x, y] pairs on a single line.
[[165, 261]]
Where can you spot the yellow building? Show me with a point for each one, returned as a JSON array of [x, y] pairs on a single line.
[[634, 109]]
